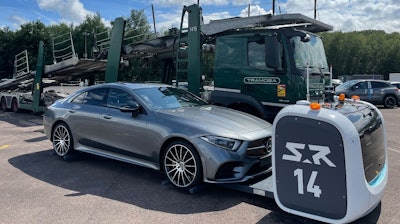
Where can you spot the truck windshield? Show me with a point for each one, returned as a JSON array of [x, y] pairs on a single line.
[[311, 52]]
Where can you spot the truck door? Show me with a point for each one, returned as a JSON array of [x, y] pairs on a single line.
[[264, 83], [228, 63]]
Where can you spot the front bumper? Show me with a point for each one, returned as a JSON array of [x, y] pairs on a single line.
[[224, 166]]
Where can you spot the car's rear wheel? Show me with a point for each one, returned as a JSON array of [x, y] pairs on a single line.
[[389, 101], [182, 165], [62, 140], [3, 104]]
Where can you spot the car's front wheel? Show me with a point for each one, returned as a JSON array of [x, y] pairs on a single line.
[[62, 140], [182, 165], [389, 101]]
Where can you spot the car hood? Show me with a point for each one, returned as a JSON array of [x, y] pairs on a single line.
[[218, 120]]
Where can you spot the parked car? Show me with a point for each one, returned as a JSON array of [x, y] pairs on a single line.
[[397, 84], [336, 82], [163, 128], [374, 91]]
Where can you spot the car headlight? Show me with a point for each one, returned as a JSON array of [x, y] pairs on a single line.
[[226, 143]]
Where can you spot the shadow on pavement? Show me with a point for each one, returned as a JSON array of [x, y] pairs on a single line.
[[87, 174]]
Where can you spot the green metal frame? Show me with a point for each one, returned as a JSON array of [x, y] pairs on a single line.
[[114, 52], [37, 85], [190, 46]]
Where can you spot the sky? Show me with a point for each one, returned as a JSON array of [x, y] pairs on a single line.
[[343, 15]]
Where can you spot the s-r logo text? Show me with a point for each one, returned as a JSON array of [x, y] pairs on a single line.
[[321, 154]]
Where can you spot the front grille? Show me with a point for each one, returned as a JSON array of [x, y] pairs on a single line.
[[259, 148]]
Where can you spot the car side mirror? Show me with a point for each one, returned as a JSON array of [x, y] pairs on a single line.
[[133, 108], [354, 87]]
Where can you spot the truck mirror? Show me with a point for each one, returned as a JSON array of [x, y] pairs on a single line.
[[272, 52]]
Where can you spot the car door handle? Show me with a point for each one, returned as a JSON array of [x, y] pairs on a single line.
[[72, 111], [107, 116]]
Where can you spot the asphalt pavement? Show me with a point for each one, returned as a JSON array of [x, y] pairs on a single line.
[[39, 187]]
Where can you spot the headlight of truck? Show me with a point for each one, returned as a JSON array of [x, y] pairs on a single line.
[[226, 143]]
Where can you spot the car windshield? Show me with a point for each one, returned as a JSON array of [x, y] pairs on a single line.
[[165, 97], [346, 85], [311, 52]]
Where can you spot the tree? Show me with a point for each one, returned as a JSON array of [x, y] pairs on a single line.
[[88, 32], [6, 53], [137, 29], [28, 38], [363, 52]]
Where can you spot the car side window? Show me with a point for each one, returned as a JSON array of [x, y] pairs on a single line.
[[119, 98], [379, 85], [94, 97], [80, 98], [361, 85]]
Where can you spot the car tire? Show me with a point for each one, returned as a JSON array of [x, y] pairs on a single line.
[[3, 104], [14, 105], [62, 140], [182, 165], [389, 101]]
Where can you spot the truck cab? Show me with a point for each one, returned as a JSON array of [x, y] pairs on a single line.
[[260, 71]]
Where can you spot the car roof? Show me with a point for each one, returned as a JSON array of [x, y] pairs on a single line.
[[379, 80], [129, 85], [367, 80]]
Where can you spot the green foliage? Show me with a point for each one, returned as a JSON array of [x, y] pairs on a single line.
[[6, 49], [137, 29], [365, 52], [87, 30]]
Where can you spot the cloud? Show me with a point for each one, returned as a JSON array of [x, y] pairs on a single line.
[[70, 11], [17, 21], [165, 21], [355, 15], [185, 2], [255, 10]]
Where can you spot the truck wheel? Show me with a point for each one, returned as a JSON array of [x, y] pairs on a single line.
[[182, 165], [14, 105], [62, 140], [389, 101], [3, 104]]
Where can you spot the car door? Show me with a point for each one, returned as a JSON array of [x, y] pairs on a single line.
[[120, 131], [83, 116], [377, 89], [360, 89]]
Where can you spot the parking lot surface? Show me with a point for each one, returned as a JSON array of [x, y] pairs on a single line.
[[38, 187]]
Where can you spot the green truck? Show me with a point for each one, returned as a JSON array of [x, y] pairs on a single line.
[[261, 63]]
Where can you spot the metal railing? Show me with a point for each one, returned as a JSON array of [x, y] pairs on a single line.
[[63, 48], [21, 64], [102, 39]]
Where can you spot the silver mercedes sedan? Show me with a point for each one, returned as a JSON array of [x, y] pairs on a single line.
[[163, 128]]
